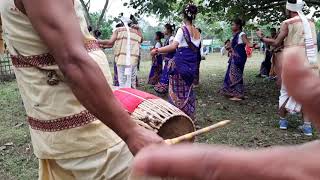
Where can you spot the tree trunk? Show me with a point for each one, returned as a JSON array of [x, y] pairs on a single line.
[[103, 12], [86, 11]]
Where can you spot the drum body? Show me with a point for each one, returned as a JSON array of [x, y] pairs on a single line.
[[154, 113]]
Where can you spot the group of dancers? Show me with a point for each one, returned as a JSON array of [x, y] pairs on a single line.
[[176, 63], [181, 55]]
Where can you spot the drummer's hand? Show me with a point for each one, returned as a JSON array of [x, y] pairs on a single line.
[[180, 161], [140, 138], [203, 162], [301, 82]]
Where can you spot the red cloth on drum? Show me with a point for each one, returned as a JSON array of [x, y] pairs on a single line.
[[130, 99]]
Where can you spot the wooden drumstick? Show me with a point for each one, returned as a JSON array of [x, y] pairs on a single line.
[[196, 133]]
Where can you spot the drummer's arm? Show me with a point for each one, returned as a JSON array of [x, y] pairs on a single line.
[[59, 29]]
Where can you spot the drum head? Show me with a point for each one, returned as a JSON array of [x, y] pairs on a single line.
[[175, 127]]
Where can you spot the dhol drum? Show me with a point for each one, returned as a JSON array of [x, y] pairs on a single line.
[[154, 113]]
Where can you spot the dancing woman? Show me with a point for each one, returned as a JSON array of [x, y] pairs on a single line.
[[182, 67], [157, 61], [162, 86], [233, 86]]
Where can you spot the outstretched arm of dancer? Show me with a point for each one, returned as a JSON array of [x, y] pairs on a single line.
[[170, 48], [247, 42], [302, 83], [203, 162], [278, 41], [110, 42]]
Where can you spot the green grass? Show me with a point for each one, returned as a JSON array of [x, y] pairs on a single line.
[[254, 120]]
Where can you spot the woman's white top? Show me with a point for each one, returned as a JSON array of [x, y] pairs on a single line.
[[240, 41], [158, 45], [179, 38], [171, 39]]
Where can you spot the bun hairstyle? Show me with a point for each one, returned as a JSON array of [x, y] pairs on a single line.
[[170, 27], [239, 22], [190, 12], [160, 34]]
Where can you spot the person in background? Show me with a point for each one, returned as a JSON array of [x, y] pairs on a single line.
[[297, 31], [183, 66], [162, 86], [126, 42], [97, 34], [157, 61], [266, 64], [233, 86], [275, 72], [1, 40], [227, 47], [196, 81], [115, 70]]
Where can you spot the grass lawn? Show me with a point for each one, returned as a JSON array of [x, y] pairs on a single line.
[[254, 120]]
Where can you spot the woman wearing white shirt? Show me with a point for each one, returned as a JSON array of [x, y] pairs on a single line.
[[157, 61], [233, 86], [162, 86], [183, 66]]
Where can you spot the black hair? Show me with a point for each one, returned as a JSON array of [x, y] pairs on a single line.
[[160, 34], [292, 1], [170, 27], [239, 22], [90, 28], [190, 12], [119, 25], [200, 31], [227, 41], [133, 19], [273, 30], [97, 33]]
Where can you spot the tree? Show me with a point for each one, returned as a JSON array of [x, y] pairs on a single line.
[[265, 11], [105, 26], [94, 23]]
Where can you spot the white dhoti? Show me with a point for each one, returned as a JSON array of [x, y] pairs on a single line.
[[291, 105], [127, 80]]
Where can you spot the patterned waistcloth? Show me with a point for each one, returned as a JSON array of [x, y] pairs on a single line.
[[162, 86], [233, 85], [266, 64], [182, 95], [156, 70]]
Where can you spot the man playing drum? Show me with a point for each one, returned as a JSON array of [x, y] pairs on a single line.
[[63, 79]]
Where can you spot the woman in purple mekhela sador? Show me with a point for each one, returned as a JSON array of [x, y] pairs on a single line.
[[157, 61], [163, 85], [233, 86], [182, 68]]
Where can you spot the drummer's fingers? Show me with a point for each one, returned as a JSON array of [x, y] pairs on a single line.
[[302, 83], [182, 161]]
